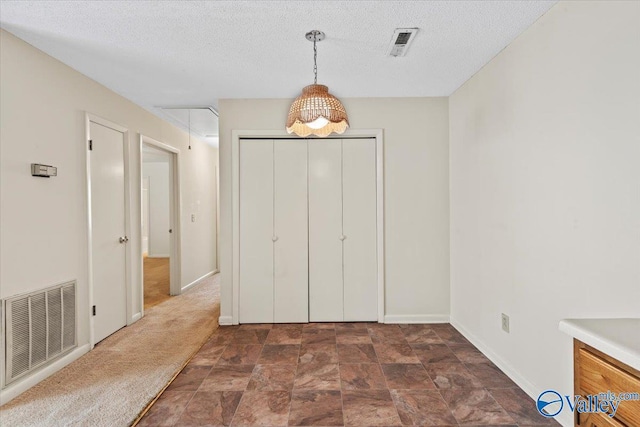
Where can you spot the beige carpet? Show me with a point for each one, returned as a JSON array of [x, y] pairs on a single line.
[[113, 383]]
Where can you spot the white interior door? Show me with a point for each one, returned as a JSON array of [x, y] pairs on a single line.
[[256, 231], [359, 230], [108, 230], [325, 229], [290, 231]]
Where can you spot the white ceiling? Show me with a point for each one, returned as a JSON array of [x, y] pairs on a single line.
[[177, 53]]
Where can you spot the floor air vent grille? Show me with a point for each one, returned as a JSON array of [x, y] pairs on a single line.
[[40, 327]]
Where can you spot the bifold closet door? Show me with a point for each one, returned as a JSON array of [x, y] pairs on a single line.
[[359, 230], [256, 231], [342, 230], [325, 229], [291, 297]]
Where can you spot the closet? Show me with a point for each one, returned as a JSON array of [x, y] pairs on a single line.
[[307, 238]]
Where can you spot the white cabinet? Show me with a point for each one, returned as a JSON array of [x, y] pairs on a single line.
[[273, 231], [307, 230], [342, 230]]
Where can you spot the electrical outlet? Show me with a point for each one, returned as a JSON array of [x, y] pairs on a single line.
[[505, 323]]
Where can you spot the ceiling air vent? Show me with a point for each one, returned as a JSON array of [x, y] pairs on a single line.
[[402, 37]]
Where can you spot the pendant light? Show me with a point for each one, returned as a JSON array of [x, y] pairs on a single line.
[[316, 111]]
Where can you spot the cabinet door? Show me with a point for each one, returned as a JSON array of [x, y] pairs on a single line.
[[256, 231], [325, 229], [291, 297], [359, 226]]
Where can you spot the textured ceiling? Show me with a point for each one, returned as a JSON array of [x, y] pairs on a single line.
[[178, 53]]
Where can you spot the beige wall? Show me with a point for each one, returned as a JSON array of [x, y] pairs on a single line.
[[545, 188], [44, 221], [416, 193]]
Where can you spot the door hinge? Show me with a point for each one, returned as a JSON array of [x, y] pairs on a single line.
[[91, 145], [93, 310]]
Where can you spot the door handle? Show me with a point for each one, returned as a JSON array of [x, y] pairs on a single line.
[[343, 237], [274, 239], [124, 239], [170, 230]]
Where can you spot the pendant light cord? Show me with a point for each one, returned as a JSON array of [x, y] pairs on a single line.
[[315, 61], [189, 128]]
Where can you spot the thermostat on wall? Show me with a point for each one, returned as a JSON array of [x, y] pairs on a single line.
[[44, 171]]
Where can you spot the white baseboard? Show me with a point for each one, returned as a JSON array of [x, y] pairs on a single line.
[[13, 390], [225, 320], [565, 418], [158, 256], [209, 274], [135, 318], [416, 318]]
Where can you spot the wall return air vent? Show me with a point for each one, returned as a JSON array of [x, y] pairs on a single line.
[[401, 40], [40, 328]]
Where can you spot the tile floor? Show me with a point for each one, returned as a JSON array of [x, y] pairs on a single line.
[[354, 374]]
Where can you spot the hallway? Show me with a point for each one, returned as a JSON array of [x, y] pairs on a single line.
[[110, 385]]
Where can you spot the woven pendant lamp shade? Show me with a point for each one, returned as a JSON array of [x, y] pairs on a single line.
[[316, 103]]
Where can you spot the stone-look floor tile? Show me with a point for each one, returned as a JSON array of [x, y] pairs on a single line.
[[190, 378], [490, 375], [316, 408], [467, 353], [272, 377], [369, 408], [210, 408], [250, 336], [391, 335], [395, 353], [521, 407], [167, 409], [317, 376], [362, 376], [352, 336], [279, 354], [263, 408], [308, 326], [318, 353], [297, 326], [421, 336], [450, 335], [475, 407], [227, 378], [452, 375], [422, 407], [254, 326], [318, 336], [434, 353], [224, 334], [284, 335], [240, 354], [357, 353], [208, 355], [356, 326], [407, 376]]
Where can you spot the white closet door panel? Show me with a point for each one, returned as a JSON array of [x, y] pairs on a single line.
[[291, 296], [359, 225], [256, 231], [325, 229]]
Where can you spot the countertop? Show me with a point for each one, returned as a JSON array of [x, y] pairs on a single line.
[[618, 338]]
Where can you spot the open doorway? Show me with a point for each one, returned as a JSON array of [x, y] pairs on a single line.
[[159, 215]]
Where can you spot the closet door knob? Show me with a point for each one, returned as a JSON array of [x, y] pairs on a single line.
[[343, 237], [274, 239]]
